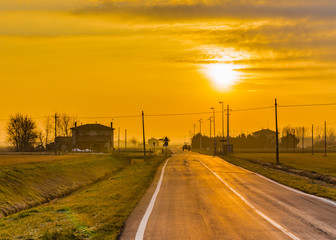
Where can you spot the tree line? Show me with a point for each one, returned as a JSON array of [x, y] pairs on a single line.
[[290, 138], [24, 135]]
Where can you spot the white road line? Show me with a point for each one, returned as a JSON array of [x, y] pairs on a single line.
[[284, 230], [284, 186], [325, 200], [142, 227]]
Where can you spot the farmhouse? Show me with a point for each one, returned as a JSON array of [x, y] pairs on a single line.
[[265, 133], [265, 138], [96, 137]]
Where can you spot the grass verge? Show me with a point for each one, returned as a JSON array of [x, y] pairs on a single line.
[[303, 183], [98, 212], [317, 163], [23, 186]]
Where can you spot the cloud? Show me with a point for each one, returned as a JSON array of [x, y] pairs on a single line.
[[219, 9], [6, 5]]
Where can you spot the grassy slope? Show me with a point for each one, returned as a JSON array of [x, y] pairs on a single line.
[[314, 163], [17, 159], [98, 212], [25, 185], [314, 187]]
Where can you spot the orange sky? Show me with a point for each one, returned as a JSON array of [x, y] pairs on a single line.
[[112, 58]]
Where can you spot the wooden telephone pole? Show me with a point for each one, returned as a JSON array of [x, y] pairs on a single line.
[[200, 122], [277, 132], [55, 147], [325, 138], [143, 134], [125, 138]]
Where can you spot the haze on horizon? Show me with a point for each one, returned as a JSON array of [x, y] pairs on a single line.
[[115, 58]]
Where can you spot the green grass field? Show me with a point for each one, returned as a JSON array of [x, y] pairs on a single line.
[[313, 163], [96, 212]]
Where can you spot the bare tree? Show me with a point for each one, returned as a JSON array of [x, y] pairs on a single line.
[[331, 135], [47, 129], [318, 132], [21, 132], [134, 141], [64, 123], [40, 138]]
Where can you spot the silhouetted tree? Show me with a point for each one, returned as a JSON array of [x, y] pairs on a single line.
[[134, 141], [21, 132], [64, 123], [289, 140], [47, 129]]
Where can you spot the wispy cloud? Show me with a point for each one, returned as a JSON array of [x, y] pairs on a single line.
[[218, 9]]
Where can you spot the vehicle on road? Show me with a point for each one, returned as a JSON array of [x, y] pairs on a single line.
[[186, 146]]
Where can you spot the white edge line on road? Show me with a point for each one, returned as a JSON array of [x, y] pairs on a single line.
[[331, 202], [284, 186], [142, 227], [284, 230]]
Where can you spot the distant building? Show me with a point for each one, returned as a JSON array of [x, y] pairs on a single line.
[[265, 138], [154, 143], [95, 137], [267, 133], [63, 144]]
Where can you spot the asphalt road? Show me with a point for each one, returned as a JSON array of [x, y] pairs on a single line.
[[204, 197]]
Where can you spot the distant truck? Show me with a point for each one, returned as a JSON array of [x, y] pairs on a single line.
[[186, 147]]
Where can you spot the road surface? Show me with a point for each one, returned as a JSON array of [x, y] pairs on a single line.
[[204, 197]]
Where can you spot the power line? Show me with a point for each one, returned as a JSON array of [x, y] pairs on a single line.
[[113, 117], [176, 114], [1, 120], [200, 113], [195, 113], [250, 109], [308, 105]]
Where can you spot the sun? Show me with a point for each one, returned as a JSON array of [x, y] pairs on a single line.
[[222, 75]]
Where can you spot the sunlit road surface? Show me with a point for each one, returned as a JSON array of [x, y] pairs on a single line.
[[204, 197]]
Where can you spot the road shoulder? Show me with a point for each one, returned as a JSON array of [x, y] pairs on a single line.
[[132, 223]]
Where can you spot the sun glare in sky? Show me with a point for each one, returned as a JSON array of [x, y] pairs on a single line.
[[222, 75], [172, 56]]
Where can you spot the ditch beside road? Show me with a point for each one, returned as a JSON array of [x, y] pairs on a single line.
[[95, 211]]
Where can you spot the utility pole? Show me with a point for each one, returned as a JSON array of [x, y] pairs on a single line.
[[125, 138], [313, 139], [118, 139], [222, 118], [325, 138], [276, 131], [303, 136], [193, 138], [143, 134], [200, 122], [287, 139], [214, 122], [112, 137], [294, 141], [210, 125], [223, 125], [228, 125], [55, 147]]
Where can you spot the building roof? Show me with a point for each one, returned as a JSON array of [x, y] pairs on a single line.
[[92, 127], [264, 131]]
